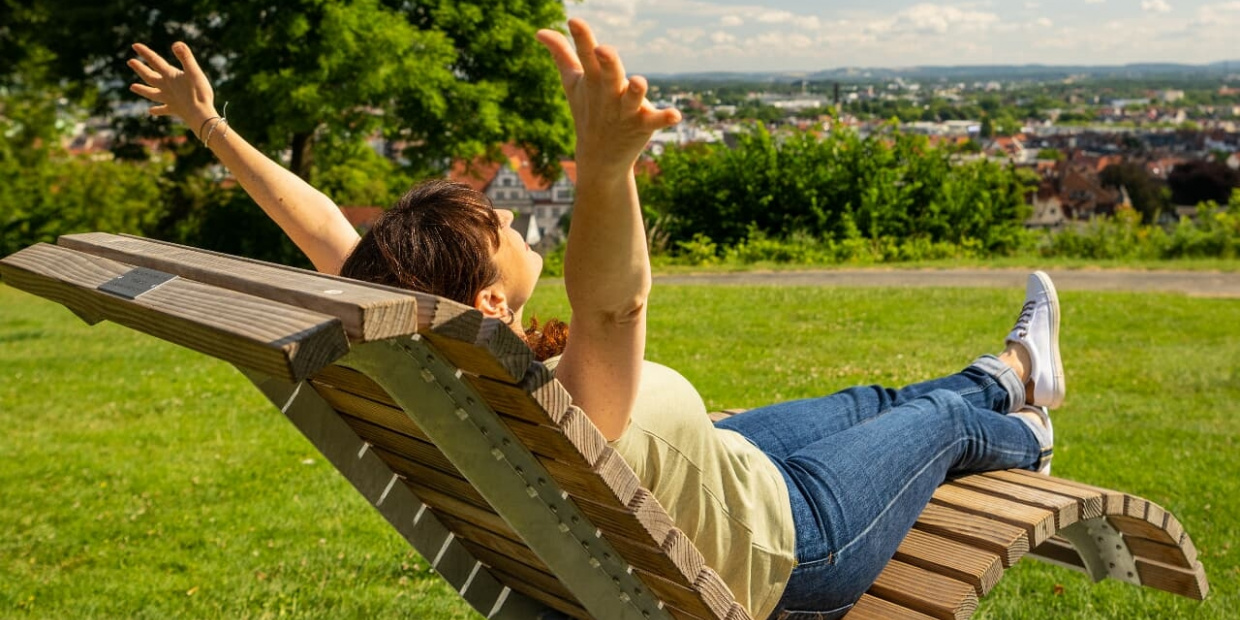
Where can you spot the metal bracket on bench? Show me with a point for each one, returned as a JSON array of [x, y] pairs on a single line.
[[136, 282], [487, 452], [1103, 550], [319, 422]]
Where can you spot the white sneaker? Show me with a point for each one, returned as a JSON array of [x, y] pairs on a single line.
[[1037, 330], [1039, 420]]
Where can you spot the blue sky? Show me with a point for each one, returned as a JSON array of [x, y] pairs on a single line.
[[656, 36]]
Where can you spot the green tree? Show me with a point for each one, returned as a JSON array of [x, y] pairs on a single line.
[[449, 78], [1149, 197], [838, 187]]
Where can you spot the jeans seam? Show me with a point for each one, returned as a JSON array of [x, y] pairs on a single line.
[[897, 496]]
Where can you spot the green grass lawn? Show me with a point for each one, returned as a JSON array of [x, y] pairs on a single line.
[[141, 480]]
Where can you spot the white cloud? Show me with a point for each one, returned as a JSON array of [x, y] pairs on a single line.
[[688, 35], [1044, 22], [934, 19], [720, 37], [1095, 1], [1155, 6], [731, 20]]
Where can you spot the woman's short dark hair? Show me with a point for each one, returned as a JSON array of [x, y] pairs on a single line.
[[439, 238]]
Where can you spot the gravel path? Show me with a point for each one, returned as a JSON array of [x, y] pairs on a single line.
[[1196, 283]]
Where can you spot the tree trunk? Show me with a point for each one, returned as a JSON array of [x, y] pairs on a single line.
[[303, 154]]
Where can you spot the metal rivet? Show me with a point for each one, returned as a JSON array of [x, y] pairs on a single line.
[[542, 481], [462, 414], [594, 563], [531, 491], [428, 376]]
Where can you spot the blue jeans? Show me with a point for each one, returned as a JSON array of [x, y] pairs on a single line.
[[861, 465]]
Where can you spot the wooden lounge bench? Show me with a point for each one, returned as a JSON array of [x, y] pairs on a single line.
[[477, 456]]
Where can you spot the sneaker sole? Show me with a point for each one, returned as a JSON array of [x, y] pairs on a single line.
[[1059, 388]]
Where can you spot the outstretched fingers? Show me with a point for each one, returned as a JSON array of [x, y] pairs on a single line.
[[153, 60], [183, 54], [562, 54], [583, 37]]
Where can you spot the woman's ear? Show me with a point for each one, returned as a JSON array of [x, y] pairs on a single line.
[[492, 302]]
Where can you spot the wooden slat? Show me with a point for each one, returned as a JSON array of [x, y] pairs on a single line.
[[415, 450], [933, 594], [1038, 522], [714, 592], [1091, 503], [1066, 509], [418, 475], [1190, 582], [685, 600], [387, 416], [524, 587], [542, 580], [980, 569], [546, 441], [539, 399], [1145, 510], [1174, 555], [367, 312], [353, 382], [1140, 528], [610, 482], [1009, 542], [484, 518], [870, 607], [1112, 501], [511, 549], [272, 338], [1059, 550]]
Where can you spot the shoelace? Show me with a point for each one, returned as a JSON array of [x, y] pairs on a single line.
[[1026, 315]]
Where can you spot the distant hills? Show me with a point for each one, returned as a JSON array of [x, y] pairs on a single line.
[[1033, 72]]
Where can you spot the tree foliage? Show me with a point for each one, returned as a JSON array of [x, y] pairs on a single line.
[[834, 187], [447, 78], [1149, 197]]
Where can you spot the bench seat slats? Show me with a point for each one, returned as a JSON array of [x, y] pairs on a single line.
[[1065, 509], [936, 595], [1007, 541], [980, 569], [1039, 523], [1091, 503]]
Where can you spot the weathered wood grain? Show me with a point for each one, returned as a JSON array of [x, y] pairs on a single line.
[[367, 312], [1008, 541], [962, 562], [1067, 510], [1091, 502], [870, 607], [1038, 522], [248, 331], [930, 593]]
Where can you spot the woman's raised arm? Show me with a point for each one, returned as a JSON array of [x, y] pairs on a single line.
[[305, 214], [606, 265]]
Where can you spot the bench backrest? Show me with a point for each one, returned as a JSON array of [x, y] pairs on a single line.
[[439, 416]]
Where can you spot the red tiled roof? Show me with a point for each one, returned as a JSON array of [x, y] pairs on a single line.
[[479, 173], [362, 217]]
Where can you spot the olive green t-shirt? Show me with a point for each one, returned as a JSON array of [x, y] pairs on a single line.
[[719, 489]]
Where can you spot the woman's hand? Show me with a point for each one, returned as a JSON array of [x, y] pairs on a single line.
[[184, 93], [613, 118]]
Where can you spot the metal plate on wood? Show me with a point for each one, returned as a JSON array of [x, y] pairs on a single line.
[[132, 284]]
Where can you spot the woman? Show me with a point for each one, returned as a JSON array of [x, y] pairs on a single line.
[[799, 505]]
